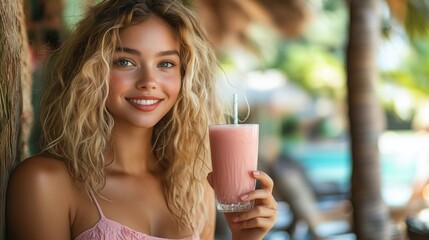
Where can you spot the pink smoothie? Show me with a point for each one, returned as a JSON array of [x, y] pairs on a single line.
[[234, 152]]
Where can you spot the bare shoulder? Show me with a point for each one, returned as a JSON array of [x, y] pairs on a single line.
[[41, 173], [40, 166], [39, 199]]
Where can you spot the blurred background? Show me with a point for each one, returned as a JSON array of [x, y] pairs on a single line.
[[290, 62]]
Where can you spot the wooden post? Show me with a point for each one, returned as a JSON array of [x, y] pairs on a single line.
[[13, 74], [370, 215]]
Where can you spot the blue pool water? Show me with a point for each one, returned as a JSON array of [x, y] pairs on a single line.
[[329, 161]]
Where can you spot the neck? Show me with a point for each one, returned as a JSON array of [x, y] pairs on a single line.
[[132, 151]]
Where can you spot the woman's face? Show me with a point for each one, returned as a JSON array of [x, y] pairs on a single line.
[[145, 74]]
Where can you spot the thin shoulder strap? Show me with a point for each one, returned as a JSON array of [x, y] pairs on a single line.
[[94, 199]]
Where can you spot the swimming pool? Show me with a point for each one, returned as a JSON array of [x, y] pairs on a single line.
[[404, 159]]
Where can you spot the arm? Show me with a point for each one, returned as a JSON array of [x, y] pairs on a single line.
[[209, 226], [38, 200], [257, 222]]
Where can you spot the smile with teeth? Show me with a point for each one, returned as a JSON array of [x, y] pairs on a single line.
[[144, 102]]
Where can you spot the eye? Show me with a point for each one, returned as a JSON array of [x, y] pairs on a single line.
[[166, 64], [123, 63]]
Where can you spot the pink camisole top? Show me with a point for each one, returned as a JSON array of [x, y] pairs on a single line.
[[106, 229]]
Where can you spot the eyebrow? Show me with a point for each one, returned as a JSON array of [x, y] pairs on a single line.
[[168, 53], [136, 52]]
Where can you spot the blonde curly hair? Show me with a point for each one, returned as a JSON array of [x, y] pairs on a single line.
[[77, 126]]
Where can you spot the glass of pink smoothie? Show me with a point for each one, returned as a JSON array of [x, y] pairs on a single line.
[[234, 153]]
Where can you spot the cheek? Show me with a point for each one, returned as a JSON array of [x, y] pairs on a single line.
[[174, 88], [117, 84]]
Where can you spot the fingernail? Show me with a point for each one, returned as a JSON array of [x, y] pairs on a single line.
[[256, 173], [236, 219], [243, 197]]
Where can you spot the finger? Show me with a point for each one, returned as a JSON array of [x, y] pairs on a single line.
[[264, 179], [265, 223], [256, 212], [263, 197], [263, 218]]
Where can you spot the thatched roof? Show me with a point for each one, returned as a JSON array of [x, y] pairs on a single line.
[[227, 20]]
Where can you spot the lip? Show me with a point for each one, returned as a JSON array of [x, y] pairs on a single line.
[[145, 103]]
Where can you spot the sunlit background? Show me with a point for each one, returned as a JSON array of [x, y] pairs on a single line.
[[292, 78]]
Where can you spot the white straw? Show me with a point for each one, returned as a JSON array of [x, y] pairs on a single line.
[[235, 108]]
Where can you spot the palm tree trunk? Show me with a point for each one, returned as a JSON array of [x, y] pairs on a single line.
[[13, 73], [370, 214]]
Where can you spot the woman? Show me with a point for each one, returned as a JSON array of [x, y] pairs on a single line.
[[125, 118]]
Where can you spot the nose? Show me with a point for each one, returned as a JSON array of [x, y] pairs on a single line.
[[147, 80]]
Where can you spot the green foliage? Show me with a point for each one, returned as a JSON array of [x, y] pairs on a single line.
[[316, 61], [413, 73], [417, 19], [312, 67]]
